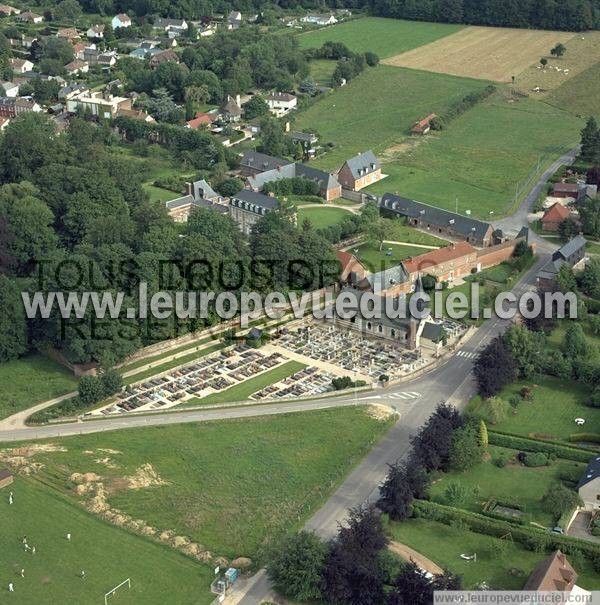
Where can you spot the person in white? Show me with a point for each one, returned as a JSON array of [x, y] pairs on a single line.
[[22, 573], [10, 498], [69, 537], [11, 588]]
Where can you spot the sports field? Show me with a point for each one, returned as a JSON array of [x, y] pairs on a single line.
[[376, 110], [384, 37], [482, 52], [227, 486]]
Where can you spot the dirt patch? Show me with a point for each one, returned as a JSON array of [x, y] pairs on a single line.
[[108, 462], [19, 459], [380, 412], [145, 476], [487, 53], [408, 554]]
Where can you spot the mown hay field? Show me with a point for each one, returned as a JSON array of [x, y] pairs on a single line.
[[482, 52]]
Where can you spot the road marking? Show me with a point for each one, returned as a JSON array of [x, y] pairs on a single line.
[[466, 354], [405, 395]]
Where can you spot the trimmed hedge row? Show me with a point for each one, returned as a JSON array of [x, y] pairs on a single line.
[[532, 445], [585, 437], [534, 539]]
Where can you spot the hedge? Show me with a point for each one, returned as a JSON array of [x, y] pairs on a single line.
[[532, 445], [530, 537], [585, 437], [566, 516]]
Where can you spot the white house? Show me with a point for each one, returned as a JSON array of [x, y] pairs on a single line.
[[21, 66], [589, 485], [30, 17], [10, 89], [234, 20], [319, 19], [96, 32], [204, 32], [281, 103], [121, 20]]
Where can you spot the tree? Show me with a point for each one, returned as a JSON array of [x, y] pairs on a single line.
[[559, 50], [56, 48], [295, 566], [527, 349], [308, 86], [589, 279], [273, 140], [565, 280], [411, 586], [353, 574], [544, 61], [90, 390], [465, 450], [568, 229], [255, 107], [574, 344], [590, 141], [379, 231], [13, 325], [589, 213], [455, 493], [229, 186], [495, 368], [559, 499], [67, 10], [371, 59], [395, 494], [483, 434], [112, 382]]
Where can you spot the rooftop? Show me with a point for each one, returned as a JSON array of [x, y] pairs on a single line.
[[438, 257]]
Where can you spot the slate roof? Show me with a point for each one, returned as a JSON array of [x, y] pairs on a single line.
[[202, 189], [591, 472], [186, 200], [388, 278], [465, 225], [220, 208], [325, 180], [570, 248], [262, 161], [393, 322], [432, 331], [259, 180], [362, 164], [259, 199]]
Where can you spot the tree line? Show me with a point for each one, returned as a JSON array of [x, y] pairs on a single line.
[[569, 15]]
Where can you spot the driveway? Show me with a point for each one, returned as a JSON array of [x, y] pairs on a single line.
[[579, 527]]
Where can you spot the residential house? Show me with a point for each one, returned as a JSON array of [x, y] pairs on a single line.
[[4, 122], [360, 171], [281, 103], [246, 207], [306, 139], [72, 90], [571, 254], [320, 20], [29, 17], [556, 574], [10, 89], [352, 269], [589, 485], [135, 114], [98, 104], [254, 162], [554, 216], [423, 126], [234, 20], [11, 107], [121, 20], [68, 33], [565, 190], [440, 222], [164, 56], [77, 66], [20, 66], [204, 31], [79, 50], [202, 120], [168, 24], [107, 59], [6, 478], [96, 32], [7, 11], [231, 110]]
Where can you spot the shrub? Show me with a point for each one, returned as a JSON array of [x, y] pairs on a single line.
[[516, 442], [593, 400], [502, 460], [536, 459], [494, 410], [559, 499], [585, 438]]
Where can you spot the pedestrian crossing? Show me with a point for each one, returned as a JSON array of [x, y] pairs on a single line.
[[405, 395], [467, 354]]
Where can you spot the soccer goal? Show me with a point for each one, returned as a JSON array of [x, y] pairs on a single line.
[[112, 592]]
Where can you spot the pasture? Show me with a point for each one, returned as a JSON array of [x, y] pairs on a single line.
[[581, 94], [480, 161], [227, 486], [384, 37], [377, 109], [106, 553], [482, 52], [321, 217]]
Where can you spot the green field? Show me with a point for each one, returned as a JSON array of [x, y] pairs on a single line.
[[242, 391], [30, 380], [106, 553], [579, 95], [377, 109], [556, 404], [399, 231], [230, 484], [321, 71], [390, 255], [322, 217], [444, 545], [476, 163], [384, 37], [486, 481]]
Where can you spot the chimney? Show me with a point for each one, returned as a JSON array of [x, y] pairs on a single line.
[[237, 100], [287, 126], [190, 189]]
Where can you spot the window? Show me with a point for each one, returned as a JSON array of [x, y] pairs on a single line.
[[380, 329], [393, 333], [369, 326]]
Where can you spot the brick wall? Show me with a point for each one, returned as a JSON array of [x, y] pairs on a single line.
[[494, 255]]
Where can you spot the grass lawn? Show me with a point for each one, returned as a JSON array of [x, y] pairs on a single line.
[[377, 109], [158, 194], [579, 95], [389, 256], [558, 334], [107, 553], [30, 380], [322, 217], [476, 163], [500, 483], [556, 403], [384, 37], [321, 71], [444, 545], [401, 232], [242, 391], [231, 484]]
